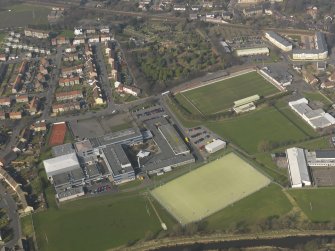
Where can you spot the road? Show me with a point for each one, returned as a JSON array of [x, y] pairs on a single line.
[[103, 76], [9, 204], [52, 84]]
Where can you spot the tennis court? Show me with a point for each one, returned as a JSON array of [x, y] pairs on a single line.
[[57, 134]]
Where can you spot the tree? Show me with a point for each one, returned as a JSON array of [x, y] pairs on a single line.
[[264, 146]]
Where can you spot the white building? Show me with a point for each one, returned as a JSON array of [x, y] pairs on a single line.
[[215, 146], [320, 52], [78, 31], [297, 167], [315, 118], [61, 164], [252, 51], [278, 41], [321, 158]]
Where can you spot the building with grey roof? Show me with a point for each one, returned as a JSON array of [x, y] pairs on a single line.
[[319, 52], [315, 118], [321, 158], [166, 158], [70, 193], [278, 41], [85, 150], [128, 136], [118, 163], [62, 149], [61, 164], [92, 171], [173, 139]]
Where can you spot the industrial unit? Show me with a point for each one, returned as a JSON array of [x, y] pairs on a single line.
[[215, 146], [315, 118], [297, 167]]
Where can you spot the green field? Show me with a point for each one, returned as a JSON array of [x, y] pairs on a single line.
[[98, 223], [268, 202], [318, 97], [221, 95], [23, 14], [248, 130], [318, 204], [209, 188]]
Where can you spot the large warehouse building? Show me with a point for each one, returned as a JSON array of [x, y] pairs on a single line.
[[320, 52], [278, 41], [297, 166], [315, 118], [170, 155]]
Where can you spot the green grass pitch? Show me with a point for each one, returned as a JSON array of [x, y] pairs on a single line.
[[24, 14], [317, 204], [221, 95], [99, 223], [210, 188], [251, 210], [250, 129]]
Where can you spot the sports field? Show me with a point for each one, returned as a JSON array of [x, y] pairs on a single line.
[[99, 223], [210, 188], [58, 132], [267, 124], [270, 201], [221, 95], [317, 204], [23, 14]]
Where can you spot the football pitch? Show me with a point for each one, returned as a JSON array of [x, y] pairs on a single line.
[[221, 95], [210, 188]]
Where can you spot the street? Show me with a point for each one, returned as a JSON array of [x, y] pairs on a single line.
[[9, 204]]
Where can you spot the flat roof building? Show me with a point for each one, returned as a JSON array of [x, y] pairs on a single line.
[[127, 136], [315, 118], [85, 150], [62, 149], [61, 164], [173, 139], [215, 146], [297, 167], [325, 158], [252, 51], [119, 164], [166, 158]]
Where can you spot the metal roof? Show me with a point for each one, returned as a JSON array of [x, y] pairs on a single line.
[[278, 38], [297, 167]]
